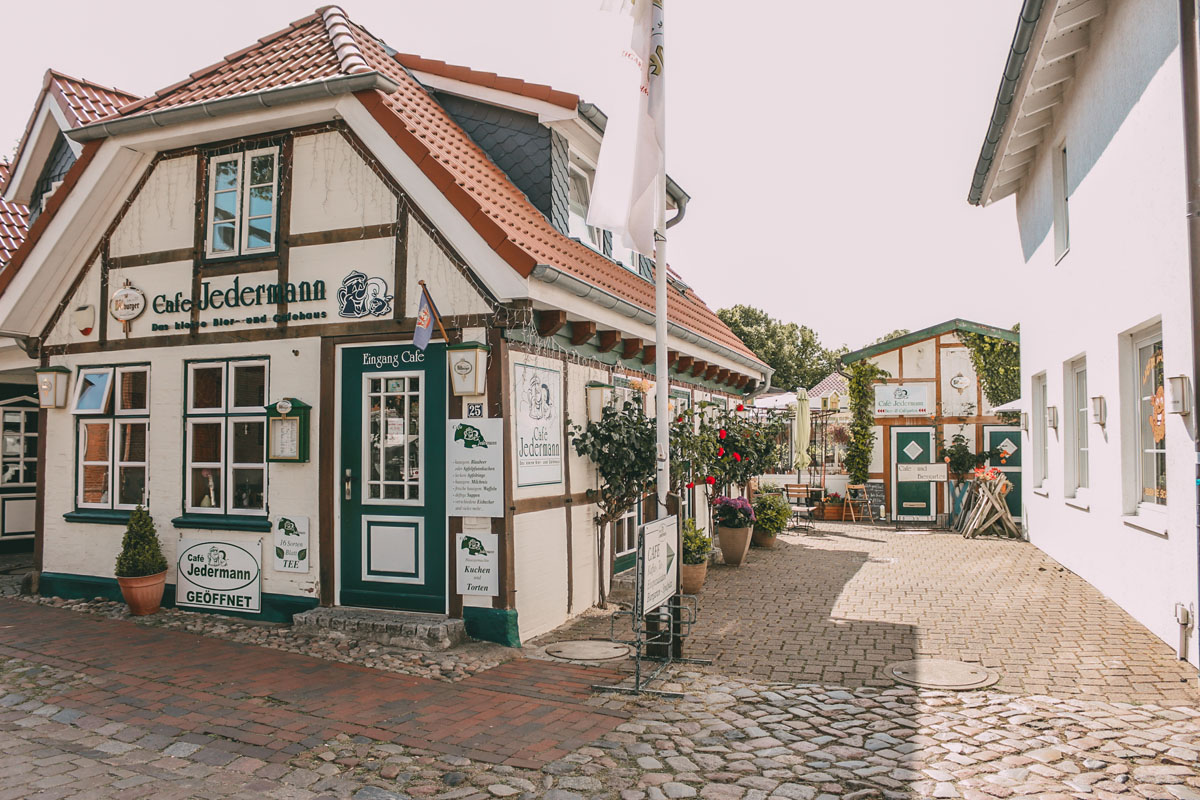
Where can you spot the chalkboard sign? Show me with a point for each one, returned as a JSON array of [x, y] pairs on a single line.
[[875, 495]]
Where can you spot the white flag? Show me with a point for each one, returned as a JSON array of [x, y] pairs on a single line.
[[629, 195]]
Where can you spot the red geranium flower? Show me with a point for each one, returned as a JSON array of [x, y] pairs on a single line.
[[721, 433], [737, 457], [720, 452], [691, 485], [710, 480], [679, 418], [741, 407]]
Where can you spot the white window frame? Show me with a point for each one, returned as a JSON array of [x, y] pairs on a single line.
[[79, 383], [1078, 467], [1140, 340], [1040, 430], [118, 409], [20, 459], [241, 227], [118, 464], [1062, 224], [107, 463], [230, 422], [226, 414], [191, 466]]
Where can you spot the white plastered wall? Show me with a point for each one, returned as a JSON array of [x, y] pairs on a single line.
[[91, 549], [451, 291], [163, 214], [333, 188], [87, 293], [1127, 267]]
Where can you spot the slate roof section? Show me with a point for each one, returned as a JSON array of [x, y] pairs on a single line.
[[326, 44], [14, 221]]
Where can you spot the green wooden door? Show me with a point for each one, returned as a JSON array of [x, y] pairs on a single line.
[[914, 500], [391, 485], [1008, 439]]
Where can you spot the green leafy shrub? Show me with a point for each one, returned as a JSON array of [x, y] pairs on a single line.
[[772, 513], [863, 377], [141, 552], [696, 546]]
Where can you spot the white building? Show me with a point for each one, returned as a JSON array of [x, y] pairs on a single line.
[[1088, 134]]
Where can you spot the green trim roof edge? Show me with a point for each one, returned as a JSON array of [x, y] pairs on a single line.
[[925, 333]]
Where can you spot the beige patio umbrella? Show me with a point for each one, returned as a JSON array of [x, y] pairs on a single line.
[[800, 430]]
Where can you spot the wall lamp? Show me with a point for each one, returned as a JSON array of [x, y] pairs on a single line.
[[1052, 417], [599, 395], [1099, 410], [1179, 395]]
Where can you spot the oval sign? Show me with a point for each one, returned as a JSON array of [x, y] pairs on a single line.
[[126, 304], [960, 381], [218, 566], [464, 366]]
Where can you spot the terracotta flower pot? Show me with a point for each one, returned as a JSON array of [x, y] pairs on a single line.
[[143, 595], [763, 539], [691, 577], [735, 542]]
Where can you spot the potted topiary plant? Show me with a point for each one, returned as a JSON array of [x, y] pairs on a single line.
[[771, 514], [141, 567], [696, 548], [733, 517]]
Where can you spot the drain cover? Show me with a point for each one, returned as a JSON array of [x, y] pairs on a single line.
[[587, 650], [936, 673]]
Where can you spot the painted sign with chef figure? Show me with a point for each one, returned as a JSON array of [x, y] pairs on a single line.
[[539, 424]]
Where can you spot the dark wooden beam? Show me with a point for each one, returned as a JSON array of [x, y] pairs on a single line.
[[733, 379], [751, 385], [722, 376], [742, 381], [550, 322], [609, 340], [632, 347], [698, 367], [711, 372], [672, 357], [581, 332], [684, 364], [648, 354]]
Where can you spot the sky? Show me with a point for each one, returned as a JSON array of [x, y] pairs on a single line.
[[827, 147]]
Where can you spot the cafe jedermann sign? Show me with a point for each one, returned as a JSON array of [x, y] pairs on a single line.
[[219, 575]]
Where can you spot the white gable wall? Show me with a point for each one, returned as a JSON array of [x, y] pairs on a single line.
[[1126, 268]]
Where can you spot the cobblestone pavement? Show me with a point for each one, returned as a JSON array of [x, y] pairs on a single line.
[[725, 740], [13, 567], [837, 605]]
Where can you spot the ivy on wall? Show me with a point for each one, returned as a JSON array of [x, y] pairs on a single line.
[[864, 375], [997, 362]]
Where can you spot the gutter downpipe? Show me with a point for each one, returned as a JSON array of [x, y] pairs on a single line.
[[1189, 64]]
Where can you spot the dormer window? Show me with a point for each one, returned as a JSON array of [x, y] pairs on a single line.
[[577, 227], [242, 202]]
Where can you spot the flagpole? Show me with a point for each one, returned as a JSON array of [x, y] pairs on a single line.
[[662, 378]]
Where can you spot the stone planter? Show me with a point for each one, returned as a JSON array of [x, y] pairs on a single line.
[[691, 577], [763, 539], [735, 542], [143, 595]]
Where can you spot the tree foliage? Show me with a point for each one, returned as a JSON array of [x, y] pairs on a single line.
[[863, 376], [794, 351], [887, 337], [997, 362], [622, 446]]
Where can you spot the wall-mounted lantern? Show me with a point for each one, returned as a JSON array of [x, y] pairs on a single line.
[[1025, 422], [52, 386], [1179, 395], [599, 396], [468, 368], [1099, 410], [1052, 417]]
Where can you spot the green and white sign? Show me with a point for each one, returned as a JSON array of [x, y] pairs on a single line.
[[902, 399], [475, 468], [219, 575], [290, 543], [478, 558], [660, 562]]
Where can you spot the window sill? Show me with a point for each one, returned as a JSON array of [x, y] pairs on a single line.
[[1151, 523], [1041, 492], [103, 516], [222, 522], [1078, 502]]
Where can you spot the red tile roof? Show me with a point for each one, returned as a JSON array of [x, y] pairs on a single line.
[[14, 221], [83, 101], [489, 80], [833, 382], [326, 44]]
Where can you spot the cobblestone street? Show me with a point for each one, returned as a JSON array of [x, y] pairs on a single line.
[[836, 605]]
